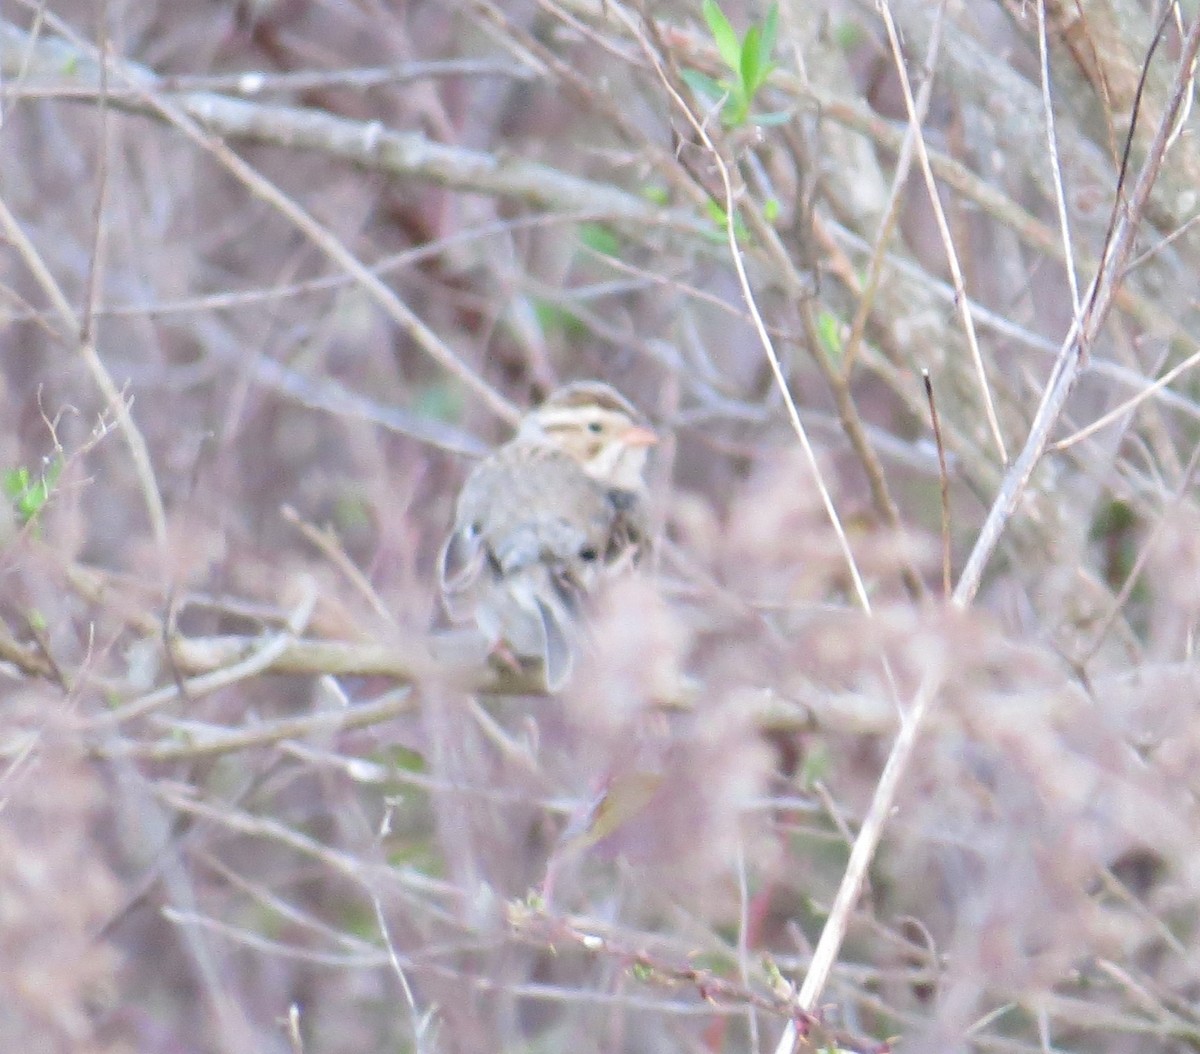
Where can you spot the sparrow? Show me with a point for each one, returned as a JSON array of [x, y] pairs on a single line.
[[544, 519]]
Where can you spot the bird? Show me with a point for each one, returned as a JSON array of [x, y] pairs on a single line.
[[546, 518]]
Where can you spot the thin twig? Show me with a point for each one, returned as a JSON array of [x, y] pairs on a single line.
[[939, 215], [891, 210], [944, 476], [1060, 197], [331, 548], [193, 745], [1126, 407]]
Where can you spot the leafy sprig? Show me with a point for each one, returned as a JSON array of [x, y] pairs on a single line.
[[748, 60]]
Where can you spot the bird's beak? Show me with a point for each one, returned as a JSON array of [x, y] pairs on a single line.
[[640, 435]]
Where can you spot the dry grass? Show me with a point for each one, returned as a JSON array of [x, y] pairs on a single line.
[[277, 270]]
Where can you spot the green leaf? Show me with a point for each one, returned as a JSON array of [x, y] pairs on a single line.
[[765, 70], [847, 35], [656, 195], [723, 35], [829, 329], [642, 972], [1112, 518], [776, 117], [816, 766], [407, 760], [717, 215], [27, 494], [749, 66], [775, 976], [703, 85], [770, 31], [770, 210], [625, 797], [737, 105], [600, 239], [351, 513], [16, 482], [554, 318], [442, 401], [715, 962]]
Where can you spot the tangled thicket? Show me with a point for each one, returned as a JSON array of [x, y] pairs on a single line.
[[274, 271]]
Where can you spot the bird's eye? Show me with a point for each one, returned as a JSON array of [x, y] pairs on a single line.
[[588, 554], [595, 427]]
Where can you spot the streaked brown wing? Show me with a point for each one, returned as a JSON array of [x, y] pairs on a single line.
[[526, 506]]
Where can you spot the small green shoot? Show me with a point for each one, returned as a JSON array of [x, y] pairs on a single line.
[[847, 35], [351, 513], [816, 767], [829, 329], [779, 984], [642, 972], [748, 61], [600, 239], [27, 493], [444, 402], [1115, 526], [553, 318], [717, 215], [717, 963]]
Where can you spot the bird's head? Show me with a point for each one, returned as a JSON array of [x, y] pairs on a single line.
[[596, 426]]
